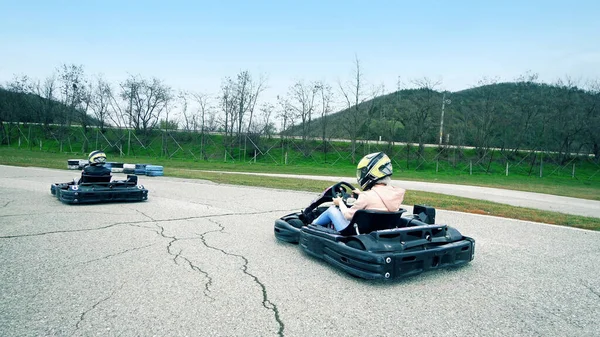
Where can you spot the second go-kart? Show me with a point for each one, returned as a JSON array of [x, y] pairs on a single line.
[[98, 189], [377, 244]]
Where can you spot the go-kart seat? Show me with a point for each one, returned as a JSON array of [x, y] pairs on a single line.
[[367, 221], [86, 178]]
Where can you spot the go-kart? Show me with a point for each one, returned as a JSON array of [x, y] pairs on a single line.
[[97, 189], [377, 244]]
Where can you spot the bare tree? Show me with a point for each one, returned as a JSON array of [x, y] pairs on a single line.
[[72, 80], [568, 119], [424, 103], [481, 117], [189, 118], [204, 109], [101, 101], [147, 100], [286, 115], [256, 88], [520, 127], [355, 114], [228, 102], [302, 101], [47, 92], [265, 125], [326, 98]]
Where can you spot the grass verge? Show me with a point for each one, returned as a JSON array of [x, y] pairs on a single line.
[[439, 201]]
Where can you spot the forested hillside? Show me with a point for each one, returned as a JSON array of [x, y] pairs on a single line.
[[518, 115]]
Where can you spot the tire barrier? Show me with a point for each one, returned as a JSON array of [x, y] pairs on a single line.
[[118, 167], [115, 167], [140, 169], [154, 170], [129, 168], [76, 164]]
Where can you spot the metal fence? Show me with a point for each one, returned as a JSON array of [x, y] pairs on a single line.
[[280, 150]]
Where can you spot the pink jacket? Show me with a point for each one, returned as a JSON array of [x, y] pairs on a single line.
[[380, 197]]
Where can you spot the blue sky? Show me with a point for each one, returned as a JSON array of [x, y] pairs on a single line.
[[192, 45]]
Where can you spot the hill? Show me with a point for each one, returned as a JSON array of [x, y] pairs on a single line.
[[32, 108], [511, 115]]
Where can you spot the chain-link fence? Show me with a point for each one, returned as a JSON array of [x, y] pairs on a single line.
[[281, 150]]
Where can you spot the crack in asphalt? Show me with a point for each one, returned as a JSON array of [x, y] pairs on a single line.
[[53, 213], [144, 214], [592, 290], [117, 254], [8, 202], [94, 307], [266, 302], [135, 223], [61, 232], [194, 267]]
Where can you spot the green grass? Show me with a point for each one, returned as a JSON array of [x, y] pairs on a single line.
[[184, 169], [439, 201], [556, 185]]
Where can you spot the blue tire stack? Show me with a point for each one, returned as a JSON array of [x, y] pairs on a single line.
[[140, 169], [154, 170]]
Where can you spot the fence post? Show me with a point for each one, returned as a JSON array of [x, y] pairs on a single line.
[[541, 164], [97, 132], [507, 168], [286, 158], [437, 165], [470, 167], [19, 142], [128, 142], [573, 174], [40, 145]]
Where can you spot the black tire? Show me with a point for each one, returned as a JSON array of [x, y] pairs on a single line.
[[295, 222], [355, 244]]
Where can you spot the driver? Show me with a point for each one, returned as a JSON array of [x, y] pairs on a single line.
[[95, 166], [373, 175]]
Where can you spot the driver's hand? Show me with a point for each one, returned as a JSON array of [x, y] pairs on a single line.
[[356, 191], [336, 201]]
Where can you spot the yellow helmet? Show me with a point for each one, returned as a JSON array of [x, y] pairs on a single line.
[[371, 168], [97, 158]]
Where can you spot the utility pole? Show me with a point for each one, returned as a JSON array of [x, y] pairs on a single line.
[[444, 101]]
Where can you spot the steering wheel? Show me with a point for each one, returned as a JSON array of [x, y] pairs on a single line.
[[343, 190]]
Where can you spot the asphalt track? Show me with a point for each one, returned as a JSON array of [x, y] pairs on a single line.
[[200, 259]]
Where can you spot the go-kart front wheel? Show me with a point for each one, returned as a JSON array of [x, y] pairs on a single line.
[[288, 228]]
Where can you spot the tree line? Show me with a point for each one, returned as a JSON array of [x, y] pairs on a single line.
[[525, 114]]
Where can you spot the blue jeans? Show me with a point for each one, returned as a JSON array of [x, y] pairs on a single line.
[[332, 215]]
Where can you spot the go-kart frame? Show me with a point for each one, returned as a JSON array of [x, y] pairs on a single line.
[[376, 244]]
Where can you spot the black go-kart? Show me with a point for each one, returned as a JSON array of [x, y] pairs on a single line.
[[99, 189], [377, 244]]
